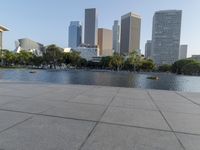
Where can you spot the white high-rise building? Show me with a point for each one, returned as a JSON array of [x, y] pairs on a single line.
[[183, 51], [87, 52], [2, 29], [116, 36], [166, 36]]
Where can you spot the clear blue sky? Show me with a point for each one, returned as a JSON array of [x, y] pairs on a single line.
[[46, 21]]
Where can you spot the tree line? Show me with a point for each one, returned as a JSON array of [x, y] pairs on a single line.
[[54, 57], [184, 66]]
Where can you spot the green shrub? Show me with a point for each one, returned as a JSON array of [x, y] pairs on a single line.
[[192, 68]]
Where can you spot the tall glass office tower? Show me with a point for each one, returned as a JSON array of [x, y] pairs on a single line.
[[148, 49], [75, 34], [91, 27], [130, 33], [116, 36], [166, 36]]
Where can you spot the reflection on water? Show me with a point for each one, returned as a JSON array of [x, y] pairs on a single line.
[[121, 79]]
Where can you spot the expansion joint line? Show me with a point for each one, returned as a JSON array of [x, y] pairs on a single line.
[[18, 123], [188, 99], [166, 120], [73, 97], [93, 129]]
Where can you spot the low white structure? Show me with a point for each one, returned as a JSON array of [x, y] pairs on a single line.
[[87, 52], [183, 51], [196, 57], [67, 50]]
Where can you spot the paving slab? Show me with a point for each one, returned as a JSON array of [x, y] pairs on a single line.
[[57, 95], [3, 91], [92, 99], [133, 93], [125, 102], [181, 122], [64, 116], [167, 96], [195, 97], [75, 87], [25, 92], [46, 133], [102, 91], [7, 99], [26, 106], [113, 137], [135, 117], [77, 111], [179, 107], [190, 142], [8, 119]]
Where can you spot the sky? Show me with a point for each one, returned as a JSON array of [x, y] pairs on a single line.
[[47, 21]]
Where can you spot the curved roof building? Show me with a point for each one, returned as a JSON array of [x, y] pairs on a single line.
[[29, 45]]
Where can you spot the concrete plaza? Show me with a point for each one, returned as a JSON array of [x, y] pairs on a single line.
[[79, 117]]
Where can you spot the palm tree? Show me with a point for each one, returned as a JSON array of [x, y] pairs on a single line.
[[53, 55], [134, 59], [116, 61]]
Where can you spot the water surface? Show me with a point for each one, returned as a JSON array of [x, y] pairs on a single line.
[[121, 79]]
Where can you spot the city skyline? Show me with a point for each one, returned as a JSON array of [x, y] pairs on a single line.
[[34, 26]]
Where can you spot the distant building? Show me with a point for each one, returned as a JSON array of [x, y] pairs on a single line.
[[75, 34], [166, 36], [116, 36], [30, 46], [96, 59], [87, 52], [196, 57], [2, 29], [105, 42], [130, 33], [148, 49], [67, 50], [91, 25], [183, 51]]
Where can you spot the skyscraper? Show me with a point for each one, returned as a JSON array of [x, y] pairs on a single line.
[[166, 36], [116, 36], [2, 29], [148, 49], [105, 42], [75, 34], [183, 51], [90, 27], [130, 33]]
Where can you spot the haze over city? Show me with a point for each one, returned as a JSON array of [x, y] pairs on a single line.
[[47, 22]]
